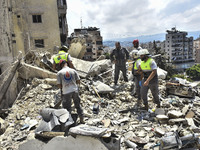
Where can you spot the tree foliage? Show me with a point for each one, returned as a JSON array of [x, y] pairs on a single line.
[[194, 72]]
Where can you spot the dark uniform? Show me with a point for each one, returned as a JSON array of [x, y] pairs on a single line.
[[120, 56]]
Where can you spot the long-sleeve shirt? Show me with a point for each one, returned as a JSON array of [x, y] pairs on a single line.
[[120, 56]]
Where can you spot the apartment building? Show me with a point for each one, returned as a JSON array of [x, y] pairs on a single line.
[[94, 44], [29, 25], [38, 25], [179, 49], [197, 50]]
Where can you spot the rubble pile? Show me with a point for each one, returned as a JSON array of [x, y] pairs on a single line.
[[117, 112]]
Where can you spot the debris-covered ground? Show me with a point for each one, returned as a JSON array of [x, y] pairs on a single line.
[[178, 117]]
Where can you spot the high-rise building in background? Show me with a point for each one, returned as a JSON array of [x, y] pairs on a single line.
[[94, 44], [197, 50], [179, 49]]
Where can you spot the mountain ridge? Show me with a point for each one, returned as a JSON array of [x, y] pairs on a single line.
[[146, 38]]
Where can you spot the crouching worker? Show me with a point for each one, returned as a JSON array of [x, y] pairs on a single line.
[[67, 80]]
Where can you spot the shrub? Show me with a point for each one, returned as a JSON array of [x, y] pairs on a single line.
[[194, 72]]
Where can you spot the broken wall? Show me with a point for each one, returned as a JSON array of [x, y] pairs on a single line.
[[6, 55]]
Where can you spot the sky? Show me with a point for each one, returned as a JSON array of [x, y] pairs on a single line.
[[131, 18]]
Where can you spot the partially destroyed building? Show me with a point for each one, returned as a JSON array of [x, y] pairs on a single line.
[[38, 24], [28, 25], [94, 44], [197, 50], [179, 49]]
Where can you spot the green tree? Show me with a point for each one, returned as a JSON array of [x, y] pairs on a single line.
[[194, 72]]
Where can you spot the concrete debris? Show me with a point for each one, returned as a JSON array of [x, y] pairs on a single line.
[[63, 143], [87, 130], [119, 123], [180, 87], [54, 118], [27, 71], [77, 47]]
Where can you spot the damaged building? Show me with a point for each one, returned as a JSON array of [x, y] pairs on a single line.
[[112, 120], [26, 26], [179, 49], [94, 42], [33, 121]]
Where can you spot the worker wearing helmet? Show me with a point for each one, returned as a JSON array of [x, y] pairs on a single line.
[[68, 80], [62, 54], [135, 47], [119, 56], [150, 78], [137, 76]]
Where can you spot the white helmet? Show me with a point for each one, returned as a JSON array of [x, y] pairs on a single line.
[[134, 54], [143, 52]]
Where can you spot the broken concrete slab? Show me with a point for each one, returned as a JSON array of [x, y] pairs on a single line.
[[87, 68], [63, 143], [27, 71], [77, 47], [178, 121], [102, 87], [159, 111], [53, 118], [174, 114], [159, 131], [32, 145], [180, 90], [87, 130]]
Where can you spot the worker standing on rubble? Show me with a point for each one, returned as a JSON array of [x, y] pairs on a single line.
[[119, 56], [150, 78], [67, 80], [137, 76], [135, 46], [62, 54]]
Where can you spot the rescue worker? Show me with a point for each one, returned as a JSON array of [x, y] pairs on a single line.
[[135, 46], [150, 78], [62, 54], [137, 76], [119, 56], [67, 80]]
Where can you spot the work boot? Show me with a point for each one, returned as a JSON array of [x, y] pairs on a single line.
[[82, 120]]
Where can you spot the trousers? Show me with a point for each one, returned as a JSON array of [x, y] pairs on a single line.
[[67, 102], [117, 70]]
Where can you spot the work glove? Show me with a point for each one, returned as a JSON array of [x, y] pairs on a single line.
[[140, 83]]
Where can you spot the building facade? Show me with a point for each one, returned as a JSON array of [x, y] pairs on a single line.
[[29, 25], [179, 49], [38, 25], [197, 50], [94, 44]]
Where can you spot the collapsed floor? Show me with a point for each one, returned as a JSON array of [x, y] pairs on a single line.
[[147, 129]]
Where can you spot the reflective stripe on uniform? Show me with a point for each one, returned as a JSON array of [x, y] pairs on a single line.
[[59, 56]]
